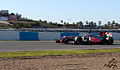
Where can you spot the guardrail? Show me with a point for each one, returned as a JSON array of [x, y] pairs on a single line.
[[60, 30], [30, 36]]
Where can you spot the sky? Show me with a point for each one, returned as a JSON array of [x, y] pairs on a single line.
[[66, 10]]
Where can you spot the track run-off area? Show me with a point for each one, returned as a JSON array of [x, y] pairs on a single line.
[[6, 46]]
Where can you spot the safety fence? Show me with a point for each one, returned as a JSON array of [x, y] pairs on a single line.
[[36, 36]]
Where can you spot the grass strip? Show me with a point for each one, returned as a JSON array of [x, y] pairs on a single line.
[[54, 52]]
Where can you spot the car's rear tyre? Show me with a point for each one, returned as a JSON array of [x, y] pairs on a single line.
[[79, 41], [110, 41]]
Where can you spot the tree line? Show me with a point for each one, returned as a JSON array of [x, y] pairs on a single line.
[[28, 23]]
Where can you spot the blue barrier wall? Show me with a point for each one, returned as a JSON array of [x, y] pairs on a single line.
[[49, 35], [34, 36], [28, 36], [69, 34]]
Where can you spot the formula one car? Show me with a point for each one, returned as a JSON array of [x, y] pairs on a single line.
[[90, 38]]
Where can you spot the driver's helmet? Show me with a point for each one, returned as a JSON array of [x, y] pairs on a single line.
[[64, 36], [85, 35]]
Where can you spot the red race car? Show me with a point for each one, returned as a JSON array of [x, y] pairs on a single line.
[[90, 38]]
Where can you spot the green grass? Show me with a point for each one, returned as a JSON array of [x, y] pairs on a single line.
[[55, 52]]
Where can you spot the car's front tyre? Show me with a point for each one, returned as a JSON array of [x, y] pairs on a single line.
[[79, 41]]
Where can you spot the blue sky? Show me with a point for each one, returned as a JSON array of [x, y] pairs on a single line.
[[67, 10]]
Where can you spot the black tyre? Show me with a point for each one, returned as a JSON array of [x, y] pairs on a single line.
[[79, 41], [110, 41]]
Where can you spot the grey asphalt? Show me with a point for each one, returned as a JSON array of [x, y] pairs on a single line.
[[6, 46]]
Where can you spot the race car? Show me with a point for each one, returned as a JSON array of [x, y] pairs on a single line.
[[90, 38]]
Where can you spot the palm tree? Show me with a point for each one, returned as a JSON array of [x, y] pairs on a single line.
[[65, 23], [80, 24], [87, 22], [99, 23], [61, 21], [95, 24], [109, 23], [113, 24], [116, 25], [106, 25], [91, 24]]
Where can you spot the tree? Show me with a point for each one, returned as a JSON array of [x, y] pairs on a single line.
[[91, 24], [113, 24], [73, 23], [87, 22], [65, 23], [99, 23], [12, 14], [106, 26], [80, 24], [40, 20], [45, 21], [116, 25], [18, 25], [94, 24], [61, 21], [109, 23]]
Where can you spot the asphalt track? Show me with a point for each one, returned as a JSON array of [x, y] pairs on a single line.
[[6, 46]]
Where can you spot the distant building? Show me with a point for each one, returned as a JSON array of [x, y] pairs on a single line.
[[4, 13], [5, 16]]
